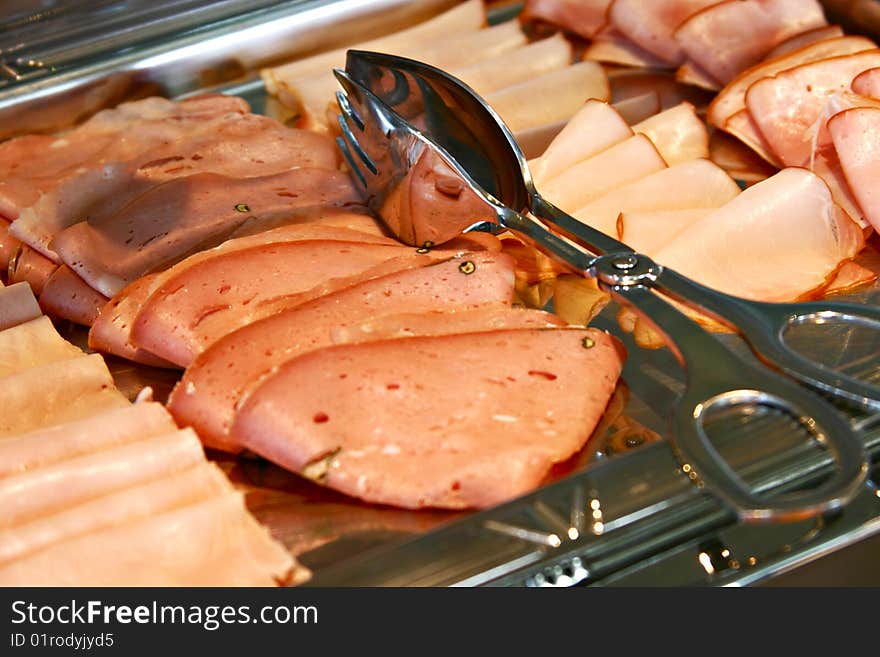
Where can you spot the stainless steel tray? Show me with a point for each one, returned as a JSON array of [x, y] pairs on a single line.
[[620, 512]]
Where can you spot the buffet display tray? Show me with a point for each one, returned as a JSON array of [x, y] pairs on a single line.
[[620, 512]]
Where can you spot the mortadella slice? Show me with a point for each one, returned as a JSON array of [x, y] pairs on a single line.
[[67, 390], [32, 344], [211, 298], [206, 396], [460, 421], [179, 217], [66, 296]]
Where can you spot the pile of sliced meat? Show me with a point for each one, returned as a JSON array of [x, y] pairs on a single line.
[[96, 490], [397, 375], [139, 187], [782, 239], [709, 42], [533, 86]]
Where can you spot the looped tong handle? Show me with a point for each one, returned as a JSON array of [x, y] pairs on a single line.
[[718, 378]]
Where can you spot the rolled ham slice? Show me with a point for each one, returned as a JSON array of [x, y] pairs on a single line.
[[787, 107], [551, 97], [583, 17], [195, 308], [855, 133], [32, 344], [214, 542], [678, 133], [31, 267], [732, 98], [458, 426], [207, 394], [36, 493], [650, 25], [628, 161], [172, 220], [67, 390], [94, 433], [867, 83], [17, 305], [66, 296], [713, 37], [688, 185], [595, 127], [200, 482], [777, 241]]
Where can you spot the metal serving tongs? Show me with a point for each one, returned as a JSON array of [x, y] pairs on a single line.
[[404, 122]]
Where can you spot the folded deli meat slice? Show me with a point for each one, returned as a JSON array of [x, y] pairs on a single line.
[[206, 396], [66, 296], [17, 305], [855, 133], [688, 185], [648, 232], [595, 127], [68, 390], [678, 133], [32, 344], [93, 433], [8, 247], [650, 25], [732, 98], [31, 267], [787, 107], [111, 330], [193, 309], [34, 493], [798, 41], [448, 421], [583, 17], [713, 38], [172, 220], [175, 489], [213, 542], [867, 83], [779, 240]]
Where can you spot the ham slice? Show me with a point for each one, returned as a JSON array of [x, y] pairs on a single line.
[[200, 482], [788, 106], [595, 127], [68, 390], [91, 434], [742, 126], [696, 184], [172, 220], [777, 241], [807, 38], [678, 133], [690, 73], [583, 17], [867, 83], [650, 25], [732, 98], [31, 344], [66, 296], [551, 97], [36, 493], [207, 394], [713, 37], [459, 426], [638, 108], [214, 542], [17, 305], [741, 162], [611, 47], [195, 308], [855, 134], [648, 232], [464, 18], [628, 161]]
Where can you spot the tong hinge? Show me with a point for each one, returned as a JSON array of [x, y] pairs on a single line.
[[625, 269]]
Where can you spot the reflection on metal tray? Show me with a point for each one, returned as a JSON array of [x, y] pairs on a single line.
[[621, 512]]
